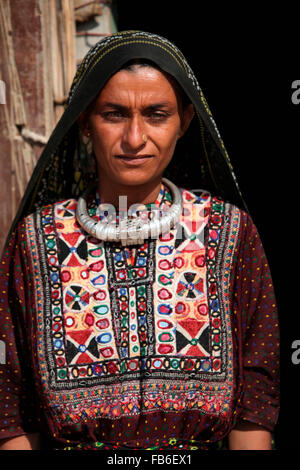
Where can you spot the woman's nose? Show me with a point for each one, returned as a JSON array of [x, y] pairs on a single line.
[[133, 136]]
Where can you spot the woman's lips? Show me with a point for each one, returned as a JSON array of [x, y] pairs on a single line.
[[134, 160]]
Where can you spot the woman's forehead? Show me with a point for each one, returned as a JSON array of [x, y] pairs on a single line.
[[141, 82]]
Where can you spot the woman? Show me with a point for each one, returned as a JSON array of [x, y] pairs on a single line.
[[136, 314]]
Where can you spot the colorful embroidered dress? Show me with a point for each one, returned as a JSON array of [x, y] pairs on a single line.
[[173, 339]]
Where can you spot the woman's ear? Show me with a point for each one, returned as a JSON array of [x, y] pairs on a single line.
[[187, 116], [83, 123]]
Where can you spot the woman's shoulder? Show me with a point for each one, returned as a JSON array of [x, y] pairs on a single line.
[[217, 212], [62, 208], [49, 218], [206, 197]]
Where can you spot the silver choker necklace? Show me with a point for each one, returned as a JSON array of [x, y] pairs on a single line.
[[131, 231]]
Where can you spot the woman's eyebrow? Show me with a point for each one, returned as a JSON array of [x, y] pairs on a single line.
[[117, 106], [120, 107], [163, 104]]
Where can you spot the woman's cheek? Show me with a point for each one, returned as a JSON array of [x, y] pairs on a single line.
[[103, 141], [166, 140]]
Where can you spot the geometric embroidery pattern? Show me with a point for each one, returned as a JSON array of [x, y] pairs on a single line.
[[193, 338], [72, 249], [117, 316], [81, 348], [76, 298], [190, 286], [65, 209]]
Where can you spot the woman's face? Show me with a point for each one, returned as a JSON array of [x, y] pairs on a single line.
[[135, 106]]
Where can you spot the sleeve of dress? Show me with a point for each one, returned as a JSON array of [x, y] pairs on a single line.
[[17, 397], [256, 320]]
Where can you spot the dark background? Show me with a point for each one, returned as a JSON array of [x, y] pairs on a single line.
[[244, 61]]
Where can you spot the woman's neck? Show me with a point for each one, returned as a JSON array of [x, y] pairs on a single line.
[[120, 196]]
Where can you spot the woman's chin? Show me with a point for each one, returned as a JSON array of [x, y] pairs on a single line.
[[135, 177]]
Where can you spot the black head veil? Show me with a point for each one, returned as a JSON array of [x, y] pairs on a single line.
[[64, 168]]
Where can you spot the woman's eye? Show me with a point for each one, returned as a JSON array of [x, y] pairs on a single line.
[[155, 116], [158, 115], [112, 115]]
